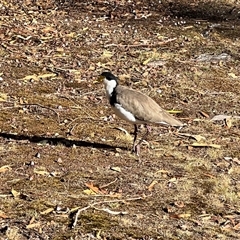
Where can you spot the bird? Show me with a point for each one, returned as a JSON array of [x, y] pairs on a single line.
[[135, 108]]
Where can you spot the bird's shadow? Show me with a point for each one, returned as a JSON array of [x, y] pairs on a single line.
[[58, 140]]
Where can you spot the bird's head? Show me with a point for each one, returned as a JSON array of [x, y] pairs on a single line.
[[109, 80]]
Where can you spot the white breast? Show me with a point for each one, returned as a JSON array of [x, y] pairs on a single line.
[[124, 114]]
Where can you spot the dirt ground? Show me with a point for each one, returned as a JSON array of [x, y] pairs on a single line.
[[66, 170]]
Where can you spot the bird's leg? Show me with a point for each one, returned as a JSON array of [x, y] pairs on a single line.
[[136, 147], [135, 138], [145, 135]]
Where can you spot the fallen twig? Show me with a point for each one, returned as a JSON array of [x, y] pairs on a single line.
[[110, 211], [81, 106], [73, 127], [106, 185], [78, 213], [122, 129], [79, 210], [141, 44], [39, 105]]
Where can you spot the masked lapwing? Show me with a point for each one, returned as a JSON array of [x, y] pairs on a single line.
[[135, 107]]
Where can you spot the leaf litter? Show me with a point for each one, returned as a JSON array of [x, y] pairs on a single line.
[[47, 61]]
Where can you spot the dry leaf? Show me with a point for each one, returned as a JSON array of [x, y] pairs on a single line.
[[173, 180], [228, 122], [111, 212], [49, 210], [156, 63], [47, 75], [184, 215], [115, 195], [147, 61], [105, 34], [151, 186], [93, 188], [198, 138], [41, 171], [232, 75], [59, 49], [5, 168], [116, 169], [237, 227], [236, 160], [32, 220], [71, 35], [162, 171], [190, 148], [179, 204], [209, 175], [89, 192], [198, 120], [3, 97], [174, 111], [107, 54], [124, 76], [204, 114], [196, 144], [33, 225], [37, 77], [15, 193], [122, 129], [30, 77], [220, 117], [3, 215], [48, 29]]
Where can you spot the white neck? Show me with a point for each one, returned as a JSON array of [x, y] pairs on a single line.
[[109, 86]]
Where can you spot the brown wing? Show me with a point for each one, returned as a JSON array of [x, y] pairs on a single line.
[[143, 107]]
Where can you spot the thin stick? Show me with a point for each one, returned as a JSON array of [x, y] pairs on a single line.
[[110, 211], [72, 128], [77, 215], [106, 185], [141, 44], [97, 203], [39, 105], [81, 105]]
